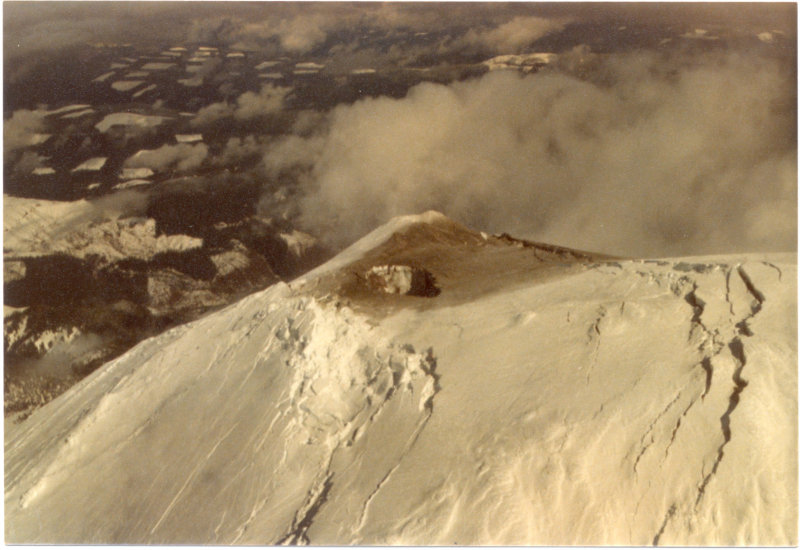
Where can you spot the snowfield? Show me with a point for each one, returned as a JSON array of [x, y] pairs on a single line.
[[545, 396]]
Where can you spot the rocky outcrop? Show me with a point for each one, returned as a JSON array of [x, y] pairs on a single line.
[[402, 279]]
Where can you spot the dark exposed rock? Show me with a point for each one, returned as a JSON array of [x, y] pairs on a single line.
[[403, 279]]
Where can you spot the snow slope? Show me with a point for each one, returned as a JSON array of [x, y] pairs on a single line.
[[27, 222], [34, 227], [545, 396]]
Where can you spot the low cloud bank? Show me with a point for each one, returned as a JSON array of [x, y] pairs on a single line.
[[238, 149], [249, 105], [513, 36], [120, 204], [56, 362], [181, 157], [20, 129], [648, 156], [298, 30]]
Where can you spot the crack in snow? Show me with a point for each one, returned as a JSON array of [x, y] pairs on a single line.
[[776, 268], [710, 339], [698, 307], [189, 479], [728, 291], [412, 440], [709, 368], [304, 517], [429, 392], [667, 518], [594, 337], [649, 432], [677, 426], [219, 525], [340, 386], [736, 348], [737, 351], [743, 326]]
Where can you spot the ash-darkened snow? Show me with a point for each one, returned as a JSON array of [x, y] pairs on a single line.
[[163, 161]]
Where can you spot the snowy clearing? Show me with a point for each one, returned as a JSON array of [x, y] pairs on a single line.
[[67, 108], [157, 66], [126, 85], [135, 173], [37, 139], [131, 183], [128, 119], [103, 77], [78, 114], [188, 138], [523, 62], [91, 165], [191, 82], [143, 91]]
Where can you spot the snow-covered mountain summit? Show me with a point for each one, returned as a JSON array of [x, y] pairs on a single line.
[[433, 385]]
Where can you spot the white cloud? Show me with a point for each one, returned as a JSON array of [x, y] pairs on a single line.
[[22, 128], [269, 100], [182, 157], [659, 156], [514, 35], [237, 149]]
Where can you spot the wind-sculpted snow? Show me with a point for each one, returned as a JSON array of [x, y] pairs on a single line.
[[281, 367], [629, 402]]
